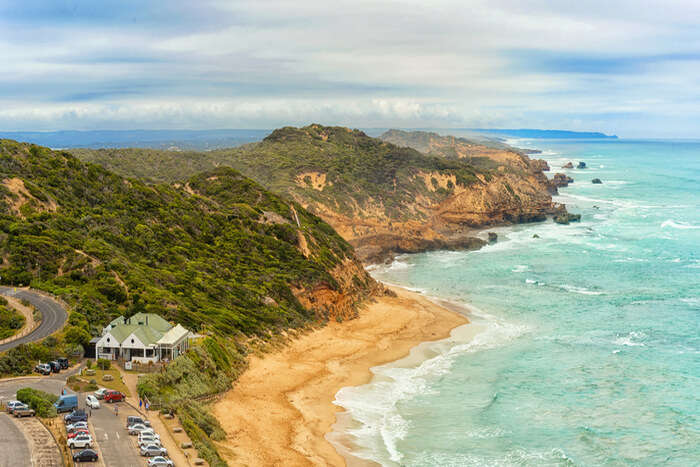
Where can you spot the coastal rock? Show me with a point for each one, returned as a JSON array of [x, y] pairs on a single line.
[[596, 181], [568, 165], [539, 165], [535, 236], [581, 165], [561, 180], [566, 218], [493, 237]]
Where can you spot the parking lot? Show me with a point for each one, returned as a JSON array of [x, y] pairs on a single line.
[[112, 442]]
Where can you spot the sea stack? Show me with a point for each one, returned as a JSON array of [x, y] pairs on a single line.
[[568, 165], [581, 165], [596, 181]]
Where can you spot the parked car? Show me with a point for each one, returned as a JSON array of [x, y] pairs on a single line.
[[78, 415], [55, 366], [92, 402], [23, 411], [148, 432], [100, 393], [76, 426], [43, 368], [76, 433], [80, 441], [114, 396], [63, 362], [86, 455], [160, 461], [149, 438], [133, 420], [153, 450], [10, 406], [148, 441], [137, 428], [66, 403]]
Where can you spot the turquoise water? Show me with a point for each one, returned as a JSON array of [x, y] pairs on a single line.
[[588, 347]]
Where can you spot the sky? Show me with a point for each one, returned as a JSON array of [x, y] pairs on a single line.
[[630, 68]]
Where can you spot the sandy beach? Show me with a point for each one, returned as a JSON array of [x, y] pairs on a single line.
[[281, 408]]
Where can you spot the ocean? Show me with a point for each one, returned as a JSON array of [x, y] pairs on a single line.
[[584, 347]]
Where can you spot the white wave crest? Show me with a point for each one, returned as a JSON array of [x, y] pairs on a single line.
[[579, 290], [520, 268], [678, 225], [374, 406], [630, 340]]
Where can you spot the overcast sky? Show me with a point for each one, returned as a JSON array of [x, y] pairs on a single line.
[[625, 67]]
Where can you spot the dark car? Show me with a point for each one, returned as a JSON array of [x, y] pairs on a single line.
[[43, 368], [63, 362], [55, 366], [86, 455], [77, 415]]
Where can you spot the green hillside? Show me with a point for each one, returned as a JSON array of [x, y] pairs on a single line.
[[358, 168], [218, 254]]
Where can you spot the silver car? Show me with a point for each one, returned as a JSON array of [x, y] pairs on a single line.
[[153, 450], [160, 460]]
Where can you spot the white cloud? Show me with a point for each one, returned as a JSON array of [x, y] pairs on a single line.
[[362, 63]]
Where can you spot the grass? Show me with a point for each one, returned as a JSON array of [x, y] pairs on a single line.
[[117, 383]]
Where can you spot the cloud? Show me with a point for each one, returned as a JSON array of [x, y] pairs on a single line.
[[623, 67]]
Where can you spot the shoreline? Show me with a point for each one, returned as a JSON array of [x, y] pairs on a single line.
[[282, 407]]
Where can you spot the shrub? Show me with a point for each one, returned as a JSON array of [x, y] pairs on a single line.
[[40, 401], [88, 364], [103, 364]]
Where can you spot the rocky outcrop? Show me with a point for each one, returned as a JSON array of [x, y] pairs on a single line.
[[581, 165], [568, 165], [539, 165], [565, 218], [561, 180], [596, 181], [493, 237]]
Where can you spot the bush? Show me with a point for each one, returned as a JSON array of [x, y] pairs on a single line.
[[103, 364], [40, 401], [88, 364]]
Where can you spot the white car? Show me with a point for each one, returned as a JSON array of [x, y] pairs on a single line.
[[137, 428], [148, 432], [100, 393], [92, 402], [160, 460], [149, 436], [148, 441], [80, 441]]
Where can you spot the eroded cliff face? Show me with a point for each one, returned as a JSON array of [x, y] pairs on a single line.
[[340, 303], [447, 221]]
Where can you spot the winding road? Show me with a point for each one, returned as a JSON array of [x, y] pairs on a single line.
[[54, 315]]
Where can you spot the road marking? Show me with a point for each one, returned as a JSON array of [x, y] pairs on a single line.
[[106, 437], [117, 433]]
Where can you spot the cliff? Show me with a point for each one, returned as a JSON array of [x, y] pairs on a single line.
[[387, 199], [424, 192]]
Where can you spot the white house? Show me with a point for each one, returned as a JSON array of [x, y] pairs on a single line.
[[144, 337]]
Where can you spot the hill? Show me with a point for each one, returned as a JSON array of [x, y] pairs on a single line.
[[383, 198], [218, 253]]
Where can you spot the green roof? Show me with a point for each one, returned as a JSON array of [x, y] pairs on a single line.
[[148, 327], [151, 320]]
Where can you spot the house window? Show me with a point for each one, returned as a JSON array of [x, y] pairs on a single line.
[[132, 341], [108, 339]]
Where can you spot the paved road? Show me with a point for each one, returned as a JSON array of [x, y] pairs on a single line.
[[14, 449], [118, 448], [53, 315]]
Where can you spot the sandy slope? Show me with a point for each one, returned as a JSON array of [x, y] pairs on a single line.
[[281, 407]]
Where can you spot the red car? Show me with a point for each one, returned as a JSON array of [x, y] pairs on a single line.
[[114, 396], [78, 432]]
